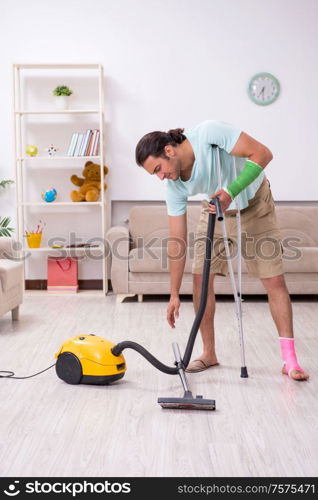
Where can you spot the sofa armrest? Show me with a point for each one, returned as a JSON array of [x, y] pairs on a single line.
[[119, 241], [8, 248], [11, 274]]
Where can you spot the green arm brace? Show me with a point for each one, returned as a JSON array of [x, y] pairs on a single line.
[[249, 173]]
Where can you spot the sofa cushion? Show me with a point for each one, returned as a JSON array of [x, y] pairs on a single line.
[[154, 260], [299, 223], [150, 224], [148, 260], [305, 261], [11, 273], [295, 260]]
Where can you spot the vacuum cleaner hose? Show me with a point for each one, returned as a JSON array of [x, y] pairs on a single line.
[[128, 344]]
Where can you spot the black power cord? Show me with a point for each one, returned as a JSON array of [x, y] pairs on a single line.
[[11, 374]]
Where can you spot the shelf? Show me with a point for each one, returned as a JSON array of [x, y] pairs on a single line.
[[58, 112], [49, 158], [63, 249], [58, 66], [59, 203]]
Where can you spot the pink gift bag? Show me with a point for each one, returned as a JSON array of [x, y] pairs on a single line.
[[62, 274]]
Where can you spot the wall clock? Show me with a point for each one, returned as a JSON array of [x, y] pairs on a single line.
[[263, 89]]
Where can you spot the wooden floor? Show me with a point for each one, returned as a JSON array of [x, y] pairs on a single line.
[[265, 425]]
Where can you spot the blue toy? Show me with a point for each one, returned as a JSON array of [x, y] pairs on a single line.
[[49, 195]]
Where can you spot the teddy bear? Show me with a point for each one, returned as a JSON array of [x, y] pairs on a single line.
[[90, 185]]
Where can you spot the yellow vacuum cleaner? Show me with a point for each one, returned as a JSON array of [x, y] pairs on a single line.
[[89, 359]]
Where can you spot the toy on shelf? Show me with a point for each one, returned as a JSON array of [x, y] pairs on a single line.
[[34, 238], [31, 150], [49, 195], [52, 150], [89, 185]]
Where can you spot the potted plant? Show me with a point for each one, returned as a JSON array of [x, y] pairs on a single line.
[[5, 230], [62, 93]]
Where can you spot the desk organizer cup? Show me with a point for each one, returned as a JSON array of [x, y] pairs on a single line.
[[34, 240]]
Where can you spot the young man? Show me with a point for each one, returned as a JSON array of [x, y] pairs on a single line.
[[186, 160]]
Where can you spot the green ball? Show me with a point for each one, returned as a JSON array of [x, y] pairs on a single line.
[[31, 150]]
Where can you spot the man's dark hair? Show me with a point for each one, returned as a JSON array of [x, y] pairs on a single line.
[[153, 144]]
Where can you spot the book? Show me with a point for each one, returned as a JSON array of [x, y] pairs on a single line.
[[93, 142], [89, 147], [78, 144], [88, 140], [87, 136], [75, 144], [96, 144], [72, 144], [90, 144], [81, 145]]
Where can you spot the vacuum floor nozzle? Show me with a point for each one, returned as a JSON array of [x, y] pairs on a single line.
[[188, 402]]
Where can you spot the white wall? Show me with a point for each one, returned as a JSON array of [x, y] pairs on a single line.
[[174, 63]]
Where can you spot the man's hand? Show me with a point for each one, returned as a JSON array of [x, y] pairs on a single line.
[[173, 310], [225, 200]]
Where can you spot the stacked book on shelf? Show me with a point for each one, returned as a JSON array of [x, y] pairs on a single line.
[[84, 144]]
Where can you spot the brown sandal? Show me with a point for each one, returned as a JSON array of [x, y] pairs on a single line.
[[198, 365]]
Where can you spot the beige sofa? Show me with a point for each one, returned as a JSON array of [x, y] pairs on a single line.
[[139, 253], [11, 278]]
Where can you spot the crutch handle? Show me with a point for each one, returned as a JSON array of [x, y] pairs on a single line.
[[219, 212]]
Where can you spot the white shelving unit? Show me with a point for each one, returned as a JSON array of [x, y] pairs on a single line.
[[53, 162], [49, 158]]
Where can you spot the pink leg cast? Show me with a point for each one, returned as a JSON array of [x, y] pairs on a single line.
[[289, 355]]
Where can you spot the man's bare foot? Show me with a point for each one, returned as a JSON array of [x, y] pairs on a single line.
[[296, 374]]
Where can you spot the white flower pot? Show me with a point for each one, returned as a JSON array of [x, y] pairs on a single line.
[[62, 101]]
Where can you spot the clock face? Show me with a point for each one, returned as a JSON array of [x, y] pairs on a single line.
[[263, 89]]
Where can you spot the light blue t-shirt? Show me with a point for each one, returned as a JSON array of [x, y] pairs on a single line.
[[204, 176]]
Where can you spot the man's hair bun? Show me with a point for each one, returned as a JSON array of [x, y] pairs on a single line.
[[176, 135]]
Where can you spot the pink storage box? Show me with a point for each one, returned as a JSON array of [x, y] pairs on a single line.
[[62, 274]]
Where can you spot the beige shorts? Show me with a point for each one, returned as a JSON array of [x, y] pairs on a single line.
[[261, 239]]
